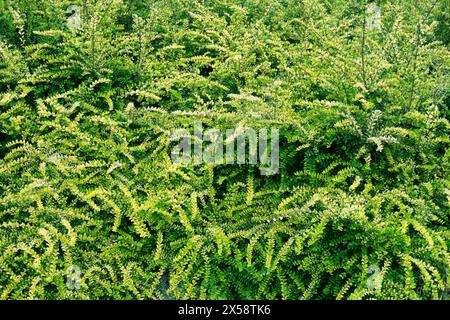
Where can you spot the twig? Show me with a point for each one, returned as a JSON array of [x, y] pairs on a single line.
[[363, 45]]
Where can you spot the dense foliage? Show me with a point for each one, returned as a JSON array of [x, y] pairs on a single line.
[[86, 177]]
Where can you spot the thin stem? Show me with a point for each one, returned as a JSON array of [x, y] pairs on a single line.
[[413, 74], [416, 51], [363, 51]]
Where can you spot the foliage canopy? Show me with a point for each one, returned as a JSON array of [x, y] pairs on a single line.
[[86, 177]]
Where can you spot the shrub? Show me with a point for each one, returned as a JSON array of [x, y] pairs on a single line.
[[359, 209]]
